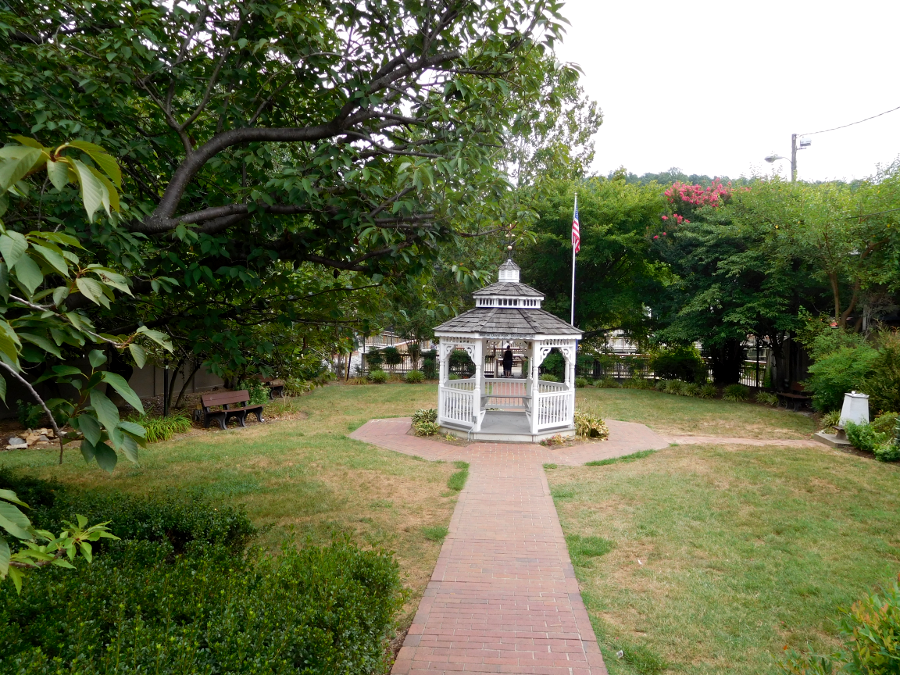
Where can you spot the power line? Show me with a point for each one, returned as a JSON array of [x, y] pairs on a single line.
[[852, 123], [866, 215]]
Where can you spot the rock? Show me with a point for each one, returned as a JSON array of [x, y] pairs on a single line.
[[15, 440], [43, 438], [17, 446]]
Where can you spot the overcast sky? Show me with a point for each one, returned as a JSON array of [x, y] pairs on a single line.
[[713, 88]]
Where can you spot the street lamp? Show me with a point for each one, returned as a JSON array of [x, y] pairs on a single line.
[[804, 143]]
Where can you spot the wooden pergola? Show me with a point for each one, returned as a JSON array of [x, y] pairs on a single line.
[[523, 408]]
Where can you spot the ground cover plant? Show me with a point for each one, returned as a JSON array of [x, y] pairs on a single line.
[[300, 477], [695, 416], [719, 557]]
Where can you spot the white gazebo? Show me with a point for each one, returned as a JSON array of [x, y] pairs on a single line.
[[513, 409]]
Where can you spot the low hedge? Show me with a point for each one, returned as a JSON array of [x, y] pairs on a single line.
[[214, 607]]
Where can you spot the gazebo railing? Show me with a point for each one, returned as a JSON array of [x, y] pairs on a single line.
[[554, 409], [506, 394], [545, 387], [457, 405], [462, 385]]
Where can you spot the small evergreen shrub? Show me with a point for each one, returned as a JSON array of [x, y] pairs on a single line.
[[295, 386], [864, 437], [581, 382], [426, 428], [883, 384], [690, 389], [415, 377], [766, 398], [607, 383], [707, 391], [637, 383], [885, 422], [258, 392], [377, 376], [555, 364], [838, 372], [374, 359], [590, 425], [674, 386], [392, 356], [736, 392], [429, 364], [547, 377], [679, 363], [424, 415], [660, 385], [452, 376]]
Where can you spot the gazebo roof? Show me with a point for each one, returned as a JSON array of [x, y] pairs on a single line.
[[509, 288], [508, 321]]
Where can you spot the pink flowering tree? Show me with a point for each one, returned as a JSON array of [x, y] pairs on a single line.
[[686, 201]]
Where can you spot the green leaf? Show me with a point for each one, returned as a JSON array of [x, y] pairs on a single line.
[[30, 142], [14, 521], [111, 202], [129, 448], [119, 383], [28, 273], [55, 259], [58, 173], [138, 354], [60, 293], [16, 576], [106, 457], [106, 411], [93, 192], [4, 281], [93, 290], [13, 246], [11, 496], [4, 558], [90, 427], [102, 159], [96, 358], [133, 428], [2, 389], [88, 451], [15, 163], [62, 371], [159, 338], [42, 342]]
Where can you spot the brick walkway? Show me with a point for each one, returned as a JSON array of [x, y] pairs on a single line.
[[503, 596]]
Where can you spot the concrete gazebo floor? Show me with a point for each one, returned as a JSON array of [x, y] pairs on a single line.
[[503, 596]]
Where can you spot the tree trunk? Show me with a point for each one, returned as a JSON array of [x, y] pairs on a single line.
[[186, 383], [727, 361]]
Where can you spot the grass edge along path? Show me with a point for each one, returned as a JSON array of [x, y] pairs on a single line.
[[722, 556]]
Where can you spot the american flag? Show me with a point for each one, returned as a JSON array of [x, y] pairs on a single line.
[[576, 229]]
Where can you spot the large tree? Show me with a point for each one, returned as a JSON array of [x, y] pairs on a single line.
[[265, 142]]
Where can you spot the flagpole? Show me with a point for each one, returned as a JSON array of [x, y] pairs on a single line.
[[572, 317]]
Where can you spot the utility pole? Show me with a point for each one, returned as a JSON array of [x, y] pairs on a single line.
[[793, 158]]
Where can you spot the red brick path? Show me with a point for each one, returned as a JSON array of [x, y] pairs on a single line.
[[503, 596]]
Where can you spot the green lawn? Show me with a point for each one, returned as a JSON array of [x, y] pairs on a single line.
[[301, 478], [713, 559], [667, 413]]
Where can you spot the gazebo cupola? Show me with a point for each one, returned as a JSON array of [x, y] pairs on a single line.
[[507, 315]]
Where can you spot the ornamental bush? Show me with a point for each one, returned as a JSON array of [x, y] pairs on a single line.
[[555, 364], [833, 374], [883, 384], [424, 415], [415, 377], [377, 376], [679, 363], [181, 593], [581, 382], [736, 392], [590, 425], [708, 391], [766, 398], [547, 377], [864, 437]]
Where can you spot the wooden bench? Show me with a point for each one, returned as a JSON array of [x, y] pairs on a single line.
[[227, 399], [796, 395]]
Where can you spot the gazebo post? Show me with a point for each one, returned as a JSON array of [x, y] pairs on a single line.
[[478, 357], [533, 365]]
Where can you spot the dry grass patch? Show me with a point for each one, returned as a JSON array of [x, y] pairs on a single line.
[[721, 556]]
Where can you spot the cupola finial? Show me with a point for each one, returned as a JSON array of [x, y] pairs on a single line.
[[509, 272]]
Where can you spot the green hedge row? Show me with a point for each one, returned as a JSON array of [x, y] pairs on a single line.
[[182, 593]]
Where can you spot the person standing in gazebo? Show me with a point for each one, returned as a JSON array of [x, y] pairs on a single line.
[[507, 362]]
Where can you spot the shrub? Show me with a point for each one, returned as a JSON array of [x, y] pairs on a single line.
[[838, 372], [392, 356], [708, 391], [679, 363], [295, 386], [424, 415], [461, 363], [415, 377], [163, 428], [590, 425], [374, 359], [660, 385], [377, 376], [547, 377], [607, 383], [555, 364], [885, 422], [429, 364], [581, 382], [690, 389], [452, 376], [258, 392], [864, 437], [426, 428], [674, 386], [831, 419], [29, 414], [766, 398], [637, 383], [735, 392], [869, 631], [883, 384]]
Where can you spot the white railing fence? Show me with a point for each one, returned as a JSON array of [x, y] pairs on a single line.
[[554, 409], [462, 385], [545, 387], [457, 406]]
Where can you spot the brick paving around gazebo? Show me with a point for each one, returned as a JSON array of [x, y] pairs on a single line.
[[503, 597]]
